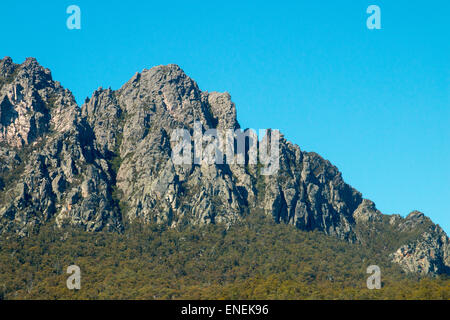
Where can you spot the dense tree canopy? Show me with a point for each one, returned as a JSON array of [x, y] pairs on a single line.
[[254, 259]]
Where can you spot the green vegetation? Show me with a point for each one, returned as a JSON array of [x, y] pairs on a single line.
[[254, 259]]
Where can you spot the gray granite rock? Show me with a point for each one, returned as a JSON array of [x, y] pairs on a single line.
[[110, 161]]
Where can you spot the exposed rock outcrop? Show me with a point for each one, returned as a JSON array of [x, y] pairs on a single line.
[[49, 167], [110, 161], [430, 254]]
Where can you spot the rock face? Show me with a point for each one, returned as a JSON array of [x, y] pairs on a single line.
[[367, 212], [430, 253], [110, 162], [49, 167]]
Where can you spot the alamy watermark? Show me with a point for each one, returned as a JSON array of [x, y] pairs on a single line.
[[374, 20], [74, 20], [228, 146], [74, 281], [374, 281]]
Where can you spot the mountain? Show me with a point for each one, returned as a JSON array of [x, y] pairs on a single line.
[[109, 164]]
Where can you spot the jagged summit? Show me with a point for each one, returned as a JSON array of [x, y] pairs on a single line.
[[29, 67], [6, 67], [109, 162], [171, 70], [32, 103], [46, 154]]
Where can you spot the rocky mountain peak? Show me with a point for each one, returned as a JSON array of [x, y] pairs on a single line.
[[111, 162], [415, 216], [32, 104], [414, 220], [48, 165], [36, 75], [7, 67], [367, 212]]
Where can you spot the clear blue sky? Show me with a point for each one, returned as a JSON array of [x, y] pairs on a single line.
[[376, 103]]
